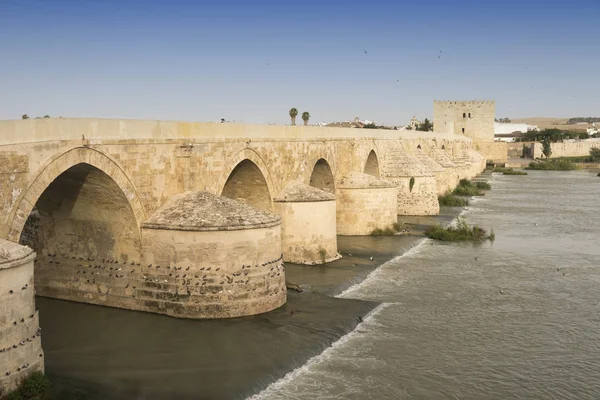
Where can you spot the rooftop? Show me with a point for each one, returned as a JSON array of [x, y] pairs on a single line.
[[358, 180], [203, 211], [296, 191]]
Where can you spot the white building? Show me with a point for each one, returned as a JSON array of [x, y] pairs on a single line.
[[503, 131]]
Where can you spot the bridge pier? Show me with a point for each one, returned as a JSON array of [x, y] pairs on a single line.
[[308, 225], [417, 186], [448, 179], [365, 203], [20, 338], [208, 256]]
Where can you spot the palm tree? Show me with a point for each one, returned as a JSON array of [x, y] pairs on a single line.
[[293, 115], [305, 117]]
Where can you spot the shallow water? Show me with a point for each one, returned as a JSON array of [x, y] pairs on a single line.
[[514, 319]]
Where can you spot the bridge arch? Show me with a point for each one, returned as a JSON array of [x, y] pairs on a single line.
[[246, 178], [322, 176], [80, 161], [372, 164]]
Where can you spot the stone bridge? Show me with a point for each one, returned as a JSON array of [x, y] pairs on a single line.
[[193, 220]]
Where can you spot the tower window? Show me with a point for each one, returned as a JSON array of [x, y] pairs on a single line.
[[469, 115], [464, 115], [463, 130]]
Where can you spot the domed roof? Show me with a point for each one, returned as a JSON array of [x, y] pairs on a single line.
[[296, 191], [358, 180], [428, 162], [476, 156], [442, 158], [203, 211], [399, 163], [13, 254]]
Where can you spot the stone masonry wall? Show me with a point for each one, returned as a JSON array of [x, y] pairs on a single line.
[[151, 171], [493, 151], [20, 336], [568, 149], [212, 274], [360, 211], [474, 119], [308, 231]]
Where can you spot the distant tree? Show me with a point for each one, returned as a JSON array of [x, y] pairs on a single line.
[[546, 147], [46, 116], [305, 117], [595, 154], [24, 116], [589, 120], [425, 126], [293, 115], [503, 120]]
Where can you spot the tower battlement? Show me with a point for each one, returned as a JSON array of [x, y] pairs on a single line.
[[472, 118], [453, 103]]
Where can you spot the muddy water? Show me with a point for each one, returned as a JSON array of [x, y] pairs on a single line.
[[516, 319]]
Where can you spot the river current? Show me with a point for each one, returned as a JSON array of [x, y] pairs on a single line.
[[514, 319]]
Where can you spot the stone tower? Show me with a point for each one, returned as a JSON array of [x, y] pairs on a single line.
[[473, 118]]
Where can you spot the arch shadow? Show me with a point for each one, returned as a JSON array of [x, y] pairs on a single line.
[[322, 176], [372, 165], [58, 165], [246, 178]]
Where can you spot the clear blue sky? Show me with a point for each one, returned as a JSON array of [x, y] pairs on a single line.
[[252, 61]]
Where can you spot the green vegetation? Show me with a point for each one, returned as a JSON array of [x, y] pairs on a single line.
[[293, 115], [425, 126], [503, 120], [411, 183], [499, 169], [483, 185], [546, 147], [322, 254], [305, 117], [554, 134], [511, 172], [589, 120], [449, 200], [508, 171], [33, 387], [389, 231], [461, 232], [595, 154], [555, 164], [375, 126], [467, 188]]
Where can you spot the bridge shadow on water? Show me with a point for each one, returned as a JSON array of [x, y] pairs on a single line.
[[95, 352]]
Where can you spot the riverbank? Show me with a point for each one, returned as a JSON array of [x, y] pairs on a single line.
[[97, 352]]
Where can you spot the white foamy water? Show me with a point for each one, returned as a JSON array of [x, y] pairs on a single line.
[[374, 276], [288, 380], [516, 319]]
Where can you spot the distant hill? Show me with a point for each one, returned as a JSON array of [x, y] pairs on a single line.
[[548, 123]]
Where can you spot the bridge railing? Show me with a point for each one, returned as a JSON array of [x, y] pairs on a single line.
[[42, 130]]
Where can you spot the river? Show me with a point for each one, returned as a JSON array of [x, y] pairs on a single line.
[[516, 318]]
